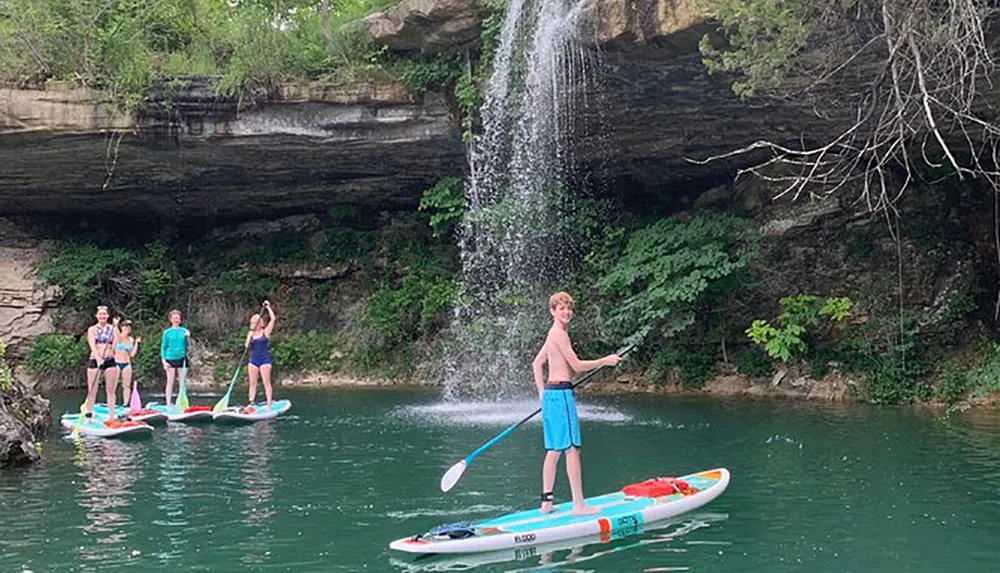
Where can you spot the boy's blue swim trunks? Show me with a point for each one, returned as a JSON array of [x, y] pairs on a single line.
[[559, 423]]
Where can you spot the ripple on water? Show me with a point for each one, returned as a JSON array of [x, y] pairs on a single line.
[[457, 511], [497, 413]]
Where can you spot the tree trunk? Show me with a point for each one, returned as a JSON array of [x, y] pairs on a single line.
[[324, 18]]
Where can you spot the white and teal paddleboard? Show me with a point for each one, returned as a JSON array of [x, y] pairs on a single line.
[[99, 425], [252, 413], [175, 414], [620, 515], [144, 415]]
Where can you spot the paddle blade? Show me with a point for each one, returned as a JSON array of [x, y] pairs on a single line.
[[182, 396], [79, 420], [452, 476], [222, 404], [134, 403]]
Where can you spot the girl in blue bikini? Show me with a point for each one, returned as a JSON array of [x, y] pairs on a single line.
[[125, 349], [260, 358]]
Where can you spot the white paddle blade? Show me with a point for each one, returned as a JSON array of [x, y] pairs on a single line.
[[452, 476]]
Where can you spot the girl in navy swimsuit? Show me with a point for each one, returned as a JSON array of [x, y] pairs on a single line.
[[260, 358]]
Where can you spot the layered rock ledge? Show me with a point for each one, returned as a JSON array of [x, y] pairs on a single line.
[[190, 156]]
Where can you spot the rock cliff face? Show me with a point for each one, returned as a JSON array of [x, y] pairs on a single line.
[[25, 308], [24, 420], [428, 26], [195, 158]]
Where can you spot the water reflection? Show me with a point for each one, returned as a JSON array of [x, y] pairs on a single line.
[[108, 469], [563, 555], [258, 489], [179, 459]]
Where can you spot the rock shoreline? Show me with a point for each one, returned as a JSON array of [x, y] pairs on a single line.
[[25, 418]]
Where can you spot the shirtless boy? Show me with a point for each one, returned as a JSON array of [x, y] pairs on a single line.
[[559, 422]]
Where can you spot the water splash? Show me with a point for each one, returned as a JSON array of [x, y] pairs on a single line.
[[516, 241], [499, 413]]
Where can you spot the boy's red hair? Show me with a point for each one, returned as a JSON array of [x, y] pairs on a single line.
[[560, 297]]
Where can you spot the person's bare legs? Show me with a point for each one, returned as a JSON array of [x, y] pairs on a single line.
[[576, 483], [110, 386], [126, 375], [252, 372], [265, 377], [91, 389], [170, 370], [549, 468]]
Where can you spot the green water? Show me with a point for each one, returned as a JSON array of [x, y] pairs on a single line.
[[327, 486]]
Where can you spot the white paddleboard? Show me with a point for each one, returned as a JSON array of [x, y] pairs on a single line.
[[98, 426], [144, 415], [620, 514], [175, 414], [252, 413]]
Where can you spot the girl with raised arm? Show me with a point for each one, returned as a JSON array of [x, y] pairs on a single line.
[[260, 358], [125, 349]]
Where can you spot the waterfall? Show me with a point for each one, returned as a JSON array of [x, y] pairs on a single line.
[[515, 243]]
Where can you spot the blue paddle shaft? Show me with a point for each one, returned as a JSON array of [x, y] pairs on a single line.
[[508, 431]]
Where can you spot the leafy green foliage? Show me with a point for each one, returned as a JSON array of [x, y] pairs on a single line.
[[952, 383], [314, 350], [84, 272], [668, 266], [884, 351], [779, 343], [126, 46], [753, 362], [396, 315], [445, 202], [429, 73], [134, 282], [692, 364], [762, 36], [249, 285], [6, 376], [894, 381], [56, 354], [785, 337], [468, 94]]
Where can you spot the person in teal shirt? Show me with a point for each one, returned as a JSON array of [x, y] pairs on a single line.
[[173, 350]]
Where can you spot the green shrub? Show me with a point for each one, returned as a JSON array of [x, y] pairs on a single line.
[[125, 46], [300, 351], [248, 285], [753, 362], [820, 358], [429, 73], [952, 383], [52, 355], [785, 336], [693, 365], [445, 202], [892, 381], [134, 283], [987, 375], [667, 267], [396, 316], [87, 274], [6, 376]]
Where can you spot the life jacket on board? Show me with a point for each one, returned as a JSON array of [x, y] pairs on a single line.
[[659, 487]]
